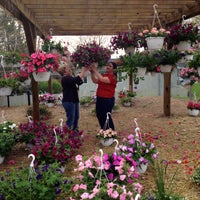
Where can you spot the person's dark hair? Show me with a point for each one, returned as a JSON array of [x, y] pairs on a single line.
[[114, 67]]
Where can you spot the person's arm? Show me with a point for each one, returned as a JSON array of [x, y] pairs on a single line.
[[93, 77], [99, 76], [83, 71]]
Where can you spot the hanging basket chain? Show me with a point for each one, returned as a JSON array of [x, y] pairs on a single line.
[[156, 16]]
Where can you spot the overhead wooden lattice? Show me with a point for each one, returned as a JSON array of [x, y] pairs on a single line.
[[101, 17]]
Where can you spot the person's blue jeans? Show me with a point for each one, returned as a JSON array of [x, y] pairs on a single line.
[[103, 106], [72, 114]]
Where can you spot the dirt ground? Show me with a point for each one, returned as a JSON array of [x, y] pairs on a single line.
[[177, 137]]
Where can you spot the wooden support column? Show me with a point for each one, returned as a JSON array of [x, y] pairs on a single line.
[[31, 35], [167, 93]]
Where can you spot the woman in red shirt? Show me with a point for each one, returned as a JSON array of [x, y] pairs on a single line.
[[105, 93]]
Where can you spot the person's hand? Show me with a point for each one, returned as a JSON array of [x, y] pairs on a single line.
[[93, 67]]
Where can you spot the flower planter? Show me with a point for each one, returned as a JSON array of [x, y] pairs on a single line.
[[127, 104], [155, 43], [141, 71], [50, 105], [165, 68], [198, 69], [141, 168], [5, 91], [1, 159], [184, 45], [193, 112], [107, 141], [41, 76]]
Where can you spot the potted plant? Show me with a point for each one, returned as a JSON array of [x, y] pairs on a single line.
[[126, 101], [48, 99], [106, 136], [154, 38], [125, 40], [8, 83], [142, 152], [86, 100], [104, 177], [12, 57], [42, 183], [167, 59], [7, 139], [40, 64], [89, 53], [193, 108], [50, 46], [56, 144], [183, 33], [188, 75]]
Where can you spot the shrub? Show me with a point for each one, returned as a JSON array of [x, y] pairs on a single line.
[[44, 112], [56, 87]]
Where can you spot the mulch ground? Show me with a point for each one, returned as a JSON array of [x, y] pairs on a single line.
[[177, 137]]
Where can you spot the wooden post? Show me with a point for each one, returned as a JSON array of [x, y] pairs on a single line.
[[50, 85], [167, 93]]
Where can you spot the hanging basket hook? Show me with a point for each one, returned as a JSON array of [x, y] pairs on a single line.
[[51, 31], [183, 19], [154, 8], [129, 26]]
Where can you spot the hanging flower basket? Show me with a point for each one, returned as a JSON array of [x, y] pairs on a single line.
[[5, 91], [141, 71], [165, 68], [41, 76], [154, 43], [107, 141], [184, 45]]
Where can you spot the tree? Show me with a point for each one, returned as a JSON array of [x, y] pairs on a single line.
[[12, 37]]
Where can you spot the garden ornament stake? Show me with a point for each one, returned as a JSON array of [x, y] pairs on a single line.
[[61, 125], [54, 130], [30, 120], [32, 169], [106, 125], [137, 196], [3, 116], [136, 124], [116, 146], [138, 134], [101, 168]]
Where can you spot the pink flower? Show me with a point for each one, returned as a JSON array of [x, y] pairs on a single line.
[[83, 186], [76, 187], [122, 177], [85, 195]]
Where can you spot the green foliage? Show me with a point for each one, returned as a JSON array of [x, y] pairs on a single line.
[[126, 100], [167, 57], [14, 32], [46, 183], [195, 62], [50, 45], [195, 178], [85, 100], [56, 86], [10, 82], [164, 188], [7, 141], [12, 57], [44, 112]]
